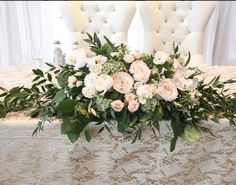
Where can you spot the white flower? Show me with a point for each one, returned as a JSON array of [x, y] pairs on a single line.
[[95, 68], [137, 55], [78, 74], [89, 79], [160, 57], [185, 84], [177, 65], [78, 83], [114, 54], [80, 58], [100, 59], [103, 82], [140, 71], [137, 85], [145, 92], [128, 58], [133, 106], [95, 63], [117, 105], [167, 90], [72, 81], [89, 92], [123, 82]]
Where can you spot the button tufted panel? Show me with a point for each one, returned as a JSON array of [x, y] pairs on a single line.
[[105, 18], [165, 22]]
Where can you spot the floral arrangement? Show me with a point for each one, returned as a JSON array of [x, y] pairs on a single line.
[[111, 86]]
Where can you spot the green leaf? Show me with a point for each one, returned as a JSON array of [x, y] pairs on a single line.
[[145, 117], [122, 118], [38, 72], [50, 65], [73, 137], [36, 78], [87, 135], [133, 120], [41, 82], [62, 79], [173, 143], [96, 39], [3, 94], [15, 90], [49, 77], [60, 95], [137, 135], [189, 58], [67, 126], [109, 42], [66, 106]]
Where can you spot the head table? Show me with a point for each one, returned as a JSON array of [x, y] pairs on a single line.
[[109, 159]]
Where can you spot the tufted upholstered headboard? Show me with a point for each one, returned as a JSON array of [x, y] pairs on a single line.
[[110, 18], [182, 22]]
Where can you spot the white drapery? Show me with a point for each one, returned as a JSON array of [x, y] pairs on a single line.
[[33, 26], [25, 27], [220, 38]]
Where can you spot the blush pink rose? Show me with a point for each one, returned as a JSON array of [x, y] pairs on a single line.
[[140, 71], [133, 106], [117, 105], [129, 97], [122, 82], [128, 58], [167, 90]]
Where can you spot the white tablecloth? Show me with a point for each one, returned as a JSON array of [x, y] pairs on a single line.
[[50, 159]]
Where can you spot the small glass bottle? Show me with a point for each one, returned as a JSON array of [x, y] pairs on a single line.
[[58, 58]]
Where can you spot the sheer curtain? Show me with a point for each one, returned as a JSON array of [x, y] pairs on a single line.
[[220, 38], [26, 27]]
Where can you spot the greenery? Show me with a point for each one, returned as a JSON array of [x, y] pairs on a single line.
[[52, 96]]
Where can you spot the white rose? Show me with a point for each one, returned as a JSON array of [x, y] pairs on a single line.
[[100, 59], [95, 68], [89, 79], [145, 92], [80, 58], [167, 90], [95, 64], [122, 82], [103, 82], [160, 57], [186, 84], [128, 58], [72, 81], [117, 105], [89, 92], [137, 55], [140, 71]]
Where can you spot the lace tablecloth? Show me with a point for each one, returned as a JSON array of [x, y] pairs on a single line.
[[50, 159]]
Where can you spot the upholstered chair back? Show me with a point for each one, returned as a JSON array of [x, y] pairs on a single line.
[[182, 22], [108, 18]]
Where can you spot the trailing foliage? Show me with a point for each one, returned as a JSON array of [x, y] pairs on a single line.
[[170, 92]]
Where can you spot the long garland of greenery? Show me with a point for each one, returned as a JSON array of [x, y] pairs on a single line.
[[136, 88]]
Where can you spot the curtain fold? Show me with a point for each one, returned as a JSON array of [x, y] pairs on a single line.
[[25, 27], [220, 38], [29, 26]]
